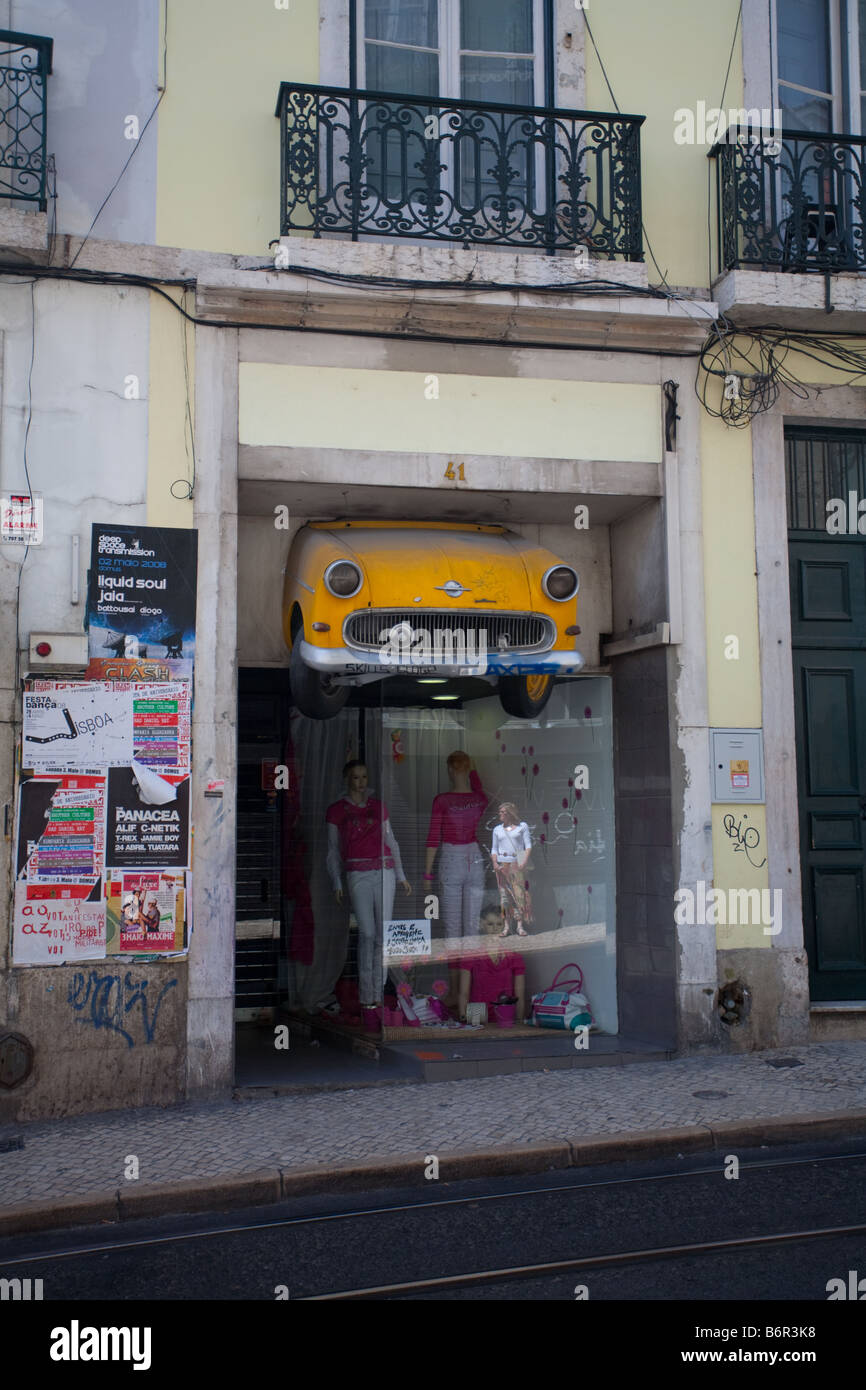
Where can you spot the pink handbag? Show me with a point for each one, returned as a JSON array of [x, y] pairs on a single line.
[[563, 1005]]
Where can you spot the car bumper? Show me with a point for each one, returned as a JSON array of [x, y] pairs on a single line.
[[342, 661]]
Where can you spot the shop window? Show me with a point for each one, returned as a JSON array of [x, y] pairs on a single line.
[[359, 937]]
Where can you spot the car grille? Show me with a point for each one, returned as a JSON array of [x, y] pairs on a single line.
[[524, 632]]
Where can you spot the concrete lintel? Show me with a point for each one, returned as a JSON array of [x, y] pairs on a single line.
[[241, 289], [493, 473], [291, 299], [792, 300], [259, 498]]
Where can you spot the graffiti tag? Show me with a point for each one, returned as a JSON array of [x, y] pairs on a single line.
[[106, 1001], [744, 840]]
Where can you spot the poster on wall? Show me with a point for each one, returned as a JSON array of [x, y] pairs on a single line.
[[161, 725], [75, 726], [141, 599], [61, 830], [148, 819], [53, 925], [103, 834], [146, 912], [58, 909]]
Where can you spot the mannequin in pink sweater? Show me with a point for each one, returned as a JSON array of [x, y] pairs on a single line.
[[454, 821]]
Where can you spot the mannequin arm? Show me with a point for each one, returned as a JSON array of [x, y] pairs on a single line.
[[527, 847], [391, 841]]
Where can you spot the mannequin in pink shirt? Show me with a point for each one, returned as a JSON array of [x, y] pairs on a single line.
[[493, 972], [362, 843], [454, 821]]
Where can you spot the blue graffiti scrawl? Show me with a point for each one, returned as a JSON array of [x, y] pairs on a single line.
[[105, 1001]]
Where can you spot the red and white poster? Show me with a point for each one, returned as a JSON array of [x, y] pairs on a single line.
[[52, 925], [61, 830], [58, 910], [148, 908]]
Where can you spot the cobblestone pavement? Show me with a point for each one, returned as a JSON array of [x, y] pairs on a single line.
[[85, 1155]]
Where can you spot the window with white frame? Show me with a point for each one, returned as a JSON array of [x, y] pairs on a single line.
[[489, 51], [485, 51], [820, 65]]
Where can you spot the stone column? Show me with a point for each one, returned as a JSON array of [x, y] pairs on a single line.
[[210, 1016], [687, 677], [787, 1022]]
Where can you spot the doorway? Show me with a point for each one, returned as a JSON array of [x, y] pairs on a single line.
[[826, 477], [300, 948]]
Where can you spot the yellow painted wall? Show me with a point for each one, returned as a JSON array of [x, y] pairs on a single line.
[[170, 418], [355, 408], [218, 171], [659, 59], [218, 186], [734, 868]]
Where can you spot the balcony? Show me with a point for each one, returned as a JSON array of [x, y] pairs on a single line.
[[359, 164], [791, 209], [25, 63]]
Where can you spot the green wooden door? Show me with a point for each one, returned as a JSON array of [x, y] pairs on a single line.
[[828, 626]]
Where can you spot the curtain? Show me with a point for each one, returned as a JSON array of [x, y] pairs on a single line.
[[318, 928]]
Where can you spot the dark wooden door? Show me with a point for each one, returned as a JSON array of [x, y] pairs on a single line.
[[828, 617]]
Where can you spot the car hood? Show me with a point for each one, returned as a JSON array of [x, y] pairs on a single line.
[[403, 565]]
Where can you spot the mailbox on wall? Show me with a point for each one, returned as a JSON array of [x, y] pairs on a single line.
[[737, 764]]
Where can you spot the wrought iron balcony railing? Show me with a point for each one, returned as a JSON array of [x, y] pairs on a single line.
[[25, 62], [792, 201], [362, 163]]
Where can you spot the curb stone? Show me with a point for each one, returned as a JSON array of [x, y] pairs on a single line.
[[407, 1170]]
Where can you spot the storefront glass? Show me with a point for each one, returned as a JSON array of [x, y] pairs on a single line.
[[517, 838], [396, 908]]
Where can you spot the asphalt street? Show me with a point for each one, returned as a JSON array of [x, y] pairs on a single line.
[[501, 1230]]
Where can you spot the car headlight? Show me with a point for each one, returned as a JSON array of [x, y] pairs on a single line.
[[560, 583], [343, 579]]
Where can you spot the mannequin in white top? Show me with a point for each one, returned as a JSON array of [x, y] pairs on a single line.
[[510, 851]]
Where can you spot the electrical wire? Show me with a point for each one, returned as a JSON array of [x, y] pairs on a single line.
[[737, 24], [136, 143], [662, 276], [751, 364], [156, 287], [189, 431], [720, 107], [754, 356], [607, 288]]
